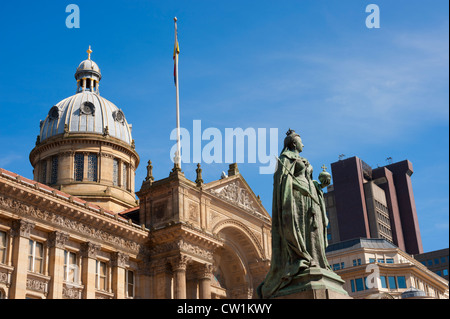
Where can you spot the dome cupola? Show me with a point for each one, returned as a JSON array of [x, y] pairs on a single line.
[[85, 147], [88, 75]]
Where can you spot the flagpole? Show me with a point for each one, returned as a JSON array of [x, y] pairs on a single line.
[[178, 154]]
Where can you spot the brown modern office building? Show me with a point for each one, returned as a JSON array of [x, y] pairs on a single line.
[[373, 203]]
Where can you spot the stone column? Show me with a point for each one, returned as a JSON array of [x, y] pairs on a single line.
[[56, 244], [179, 265], [118, 263], [89, 253], [21, 235], [205, 274]]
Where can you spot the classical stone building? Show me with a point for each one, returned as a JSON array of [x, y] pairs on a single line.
[[77, 230]]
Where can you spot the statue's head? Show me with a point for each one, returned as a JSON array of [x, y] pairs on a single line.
[[293, 142]]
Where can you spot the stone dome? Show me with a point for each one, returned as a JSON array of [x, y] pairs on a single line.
[[86, 112]]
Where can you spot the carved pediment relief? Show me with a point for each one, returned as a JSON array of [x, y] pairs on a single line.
[[235, 193]]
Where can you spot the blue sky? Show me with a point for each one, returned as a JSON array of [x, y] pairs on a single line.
[[312, 66]]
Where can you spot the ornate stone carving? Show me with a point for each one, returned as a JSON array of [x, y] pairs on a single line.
[[236, 194], [179, 263], [22, 228], [205, 271], [4, 278], [71, 292], [119, 259], [36, 285], [57, 239], [89, 250], [69, 224]]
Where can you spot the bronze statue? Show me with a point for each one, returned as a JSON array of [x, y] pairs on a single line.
[[299, 221]]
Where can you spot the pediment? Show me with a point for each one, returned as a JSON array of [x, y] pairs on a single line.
[[236, 191]]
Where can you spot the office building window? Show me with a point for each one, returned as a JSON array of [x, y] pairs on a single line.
[[35, 256], [100, 275], [445, 272], [2, 247], [70, 267], [115, 172], [359, 284], [78, 167], [392, 282], [401, 281], [130, 284], [92, 167], [383, 281]]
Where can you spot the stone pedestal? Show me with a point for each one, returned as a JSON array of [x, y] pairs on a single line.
[[314, 283]]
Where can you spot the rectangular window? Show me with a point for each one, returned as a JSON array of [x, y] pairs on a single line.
[[43, 172], [78, 167], [383, 282], [359, 284], [392, 282], [130, 284], [54, 176], [389, 260], [401, 281], [116, 172], [371, 260], [436, 261], [2, 247], [381, 260], [100, 275], [92, 167], [35, 256], [352, 284], [70, 267], [445, 272]]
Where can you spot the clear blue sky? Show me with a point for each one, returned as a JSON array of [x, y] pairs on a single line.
[[312, 66]]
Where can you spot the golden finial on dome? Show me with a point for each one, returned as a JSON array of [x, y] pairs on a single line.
[[89, 51]]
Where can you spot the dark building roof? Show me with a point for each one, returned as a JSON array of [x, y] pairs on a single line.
[[359, 243]]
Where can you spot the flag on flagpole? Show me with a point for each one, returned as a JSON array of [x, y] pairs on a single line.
[[176, 51]]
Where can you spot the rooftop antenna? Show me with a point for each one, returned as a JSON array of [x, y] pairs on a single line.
[[389, 160]]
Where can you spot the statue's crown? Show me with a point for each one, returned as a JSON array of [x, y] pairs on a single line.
[[289, 132]]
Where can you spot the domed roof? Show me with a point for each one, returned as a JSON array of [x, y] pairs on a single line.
[[88, 65], [86, 112]]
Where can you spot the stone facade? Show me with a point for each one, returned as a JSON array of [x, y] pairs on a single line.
[[193, 242]]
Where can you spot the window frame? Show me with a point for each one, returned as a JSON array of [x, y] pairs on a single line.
[[32, 259]]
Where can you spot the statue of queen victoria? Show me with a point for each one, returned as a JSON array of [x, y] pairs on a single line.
[[299, 228]]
